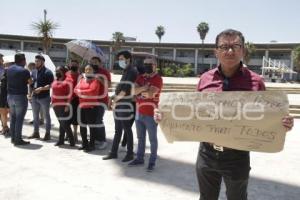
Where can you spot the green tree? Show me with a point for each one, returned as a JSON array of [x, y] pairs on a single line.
[[202, 29], [249, 51], [45, 29], [160, 31], [118, 41], [296, 58]]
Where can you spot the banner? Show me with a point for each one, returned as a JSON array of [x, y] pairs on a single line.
[[248, 121]]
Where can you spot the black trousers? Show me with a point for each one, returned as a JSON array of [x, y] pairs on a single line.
[[233, 166], [123, 116], [64, 124], [101, 136], [88, 118]]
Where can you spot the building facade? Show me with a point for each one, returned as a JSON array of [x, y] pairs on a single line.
[[200, 57]]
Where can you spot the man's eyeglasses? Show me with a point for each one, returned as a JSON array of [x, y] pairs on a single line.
[[225, 48]]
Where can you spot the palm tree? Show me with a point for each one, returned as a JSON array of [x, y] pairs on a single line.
[[296, 57], [249, 51], [118, 41], [45, 29], [160, 31], [202, 29]]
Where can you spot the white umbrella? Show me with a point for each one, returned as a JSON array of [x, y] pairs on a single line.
[[85, 49]]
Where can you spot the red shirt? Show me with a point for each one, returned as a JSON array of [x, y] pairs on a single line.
[[103, 92], [243, 80], [145, 106], [61, 92], [88, 91], [72, 78]]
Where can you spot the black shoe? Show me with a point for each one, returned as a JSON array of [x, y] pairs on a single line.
[[128, 158], [21, 142], [34, 135], [47, 137], [82, 148], [136, 162], [72, 144], [5, 130], [31, 122], [89, 149], [59, 143], [110, 156], [150, 167]]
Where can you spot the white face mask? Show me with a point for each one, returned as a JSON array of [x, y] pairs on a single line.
[[122, 64]]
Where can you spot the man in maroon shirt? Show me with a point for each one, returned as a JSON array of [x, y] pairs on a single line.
[[215, 163]]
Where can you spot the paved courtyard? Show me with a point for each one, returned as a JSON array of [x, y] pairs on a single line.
[[41, 171]]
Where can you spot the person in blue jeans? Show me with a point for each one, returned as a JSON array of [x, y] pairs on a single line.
[[43, 78], [147, 90], [17, 80]]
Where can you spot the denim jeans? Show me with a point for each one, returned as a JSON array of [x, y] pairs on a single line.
[[44, 104], [146, 123], [17, 108]]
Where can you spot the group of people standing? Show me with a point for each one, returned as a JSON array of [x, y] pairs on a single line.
[[79, 96]]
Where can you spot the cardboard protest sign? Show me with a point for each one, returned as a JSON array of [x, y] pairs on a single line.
[[248, 121]]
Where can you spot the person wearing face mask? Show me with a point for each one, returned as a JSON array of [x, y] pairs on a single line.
[[147, 90], [124, 107], [104, 77], [87, 90], [61, 92], [72, 77], [41, 97]]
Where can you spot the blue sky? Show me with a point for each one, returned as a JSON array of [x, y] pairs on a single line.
[[260, 20]]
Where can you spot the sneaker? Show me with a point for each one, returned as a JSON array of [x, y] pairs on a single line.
[[136, 162], [150, 167], [102, 145]]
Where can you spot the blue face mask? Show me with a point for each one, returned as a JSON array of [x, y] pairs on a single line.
[[122, 64]]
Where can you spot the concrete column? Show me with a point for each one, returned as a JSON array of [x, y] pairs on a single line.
[[153, 50], [196, 61], [291, 64], [110, 59], [174, 54], [22, 45], [267, 54]]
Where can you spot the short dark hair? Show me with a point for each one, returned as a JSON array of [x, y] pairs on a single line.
[[19, 58], [75, 61], [1, 55], [40, 57], [96, 58], [126, 54], [63, 69], [230, 32]]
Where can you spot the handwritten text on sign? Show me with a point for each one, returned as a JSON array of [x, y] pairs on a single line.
[[240, 120]]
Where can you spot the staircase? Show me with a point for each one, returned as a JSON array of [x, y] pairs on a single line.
[[171, 87]]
